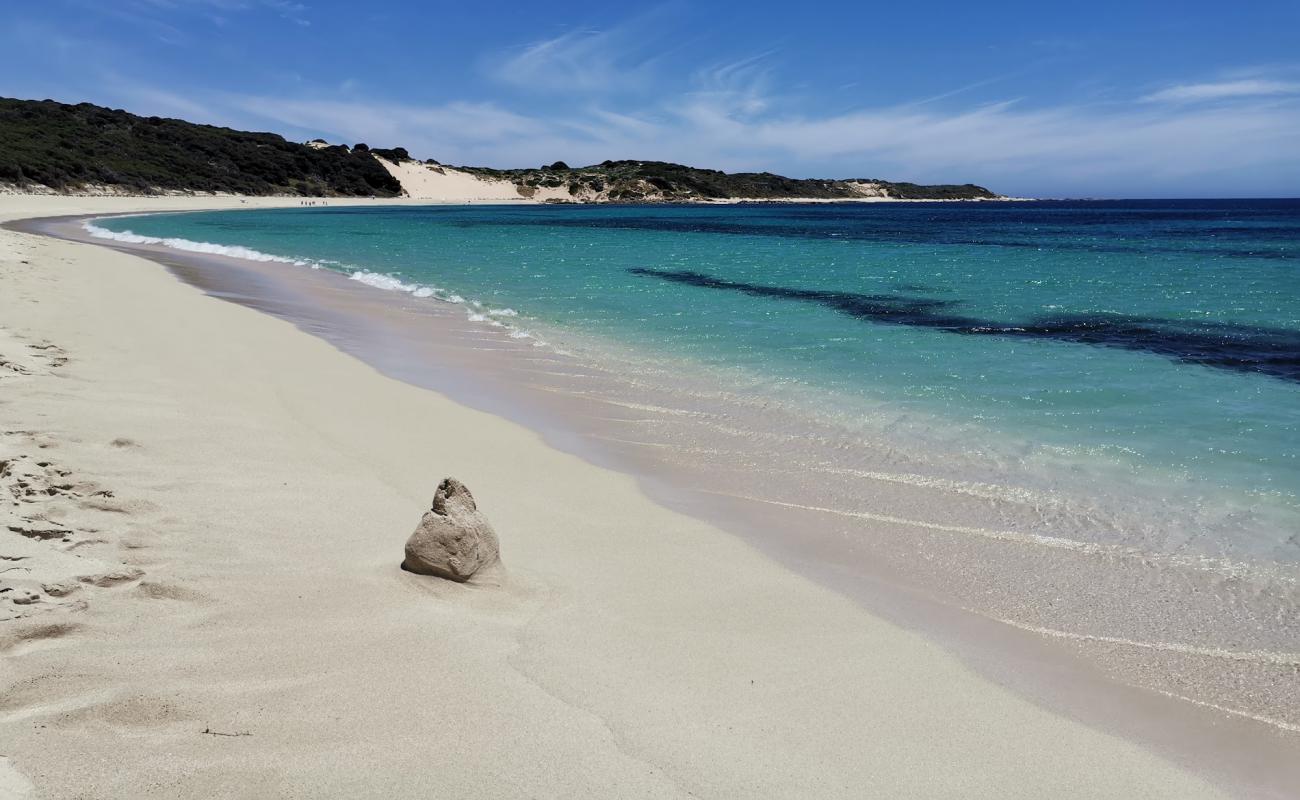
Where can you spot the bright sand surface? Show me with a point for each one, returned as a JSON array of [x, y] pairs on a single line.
[[447, 184], [242, 490]]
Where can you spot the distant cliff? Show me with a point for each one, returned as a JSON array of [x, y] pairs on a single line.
[[49, 146]]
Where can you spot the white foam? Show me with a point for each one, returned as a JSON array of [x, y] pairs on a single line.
[[1275, 658], [475, 310], [1221, 566], [388, 282], [395, 284], [189, 246], [1000, 535]]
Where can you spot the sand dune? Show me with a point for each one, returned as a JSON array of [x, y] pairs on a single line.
[[447, 184]]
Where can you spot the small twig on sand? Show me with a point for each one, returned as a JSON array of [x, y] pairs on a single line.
[[6, 569], [211, 732]]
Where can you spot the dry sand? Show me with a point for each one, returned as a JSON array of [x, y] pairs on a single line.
[[231, 497], [448, 184]]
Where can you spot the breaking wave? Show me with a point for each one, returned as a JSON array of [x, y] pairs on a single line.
[[474, 310], [189, 246]]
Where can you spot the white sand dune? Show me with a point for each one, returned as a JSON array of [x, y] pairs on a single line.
[[447, 184], [262, 641]]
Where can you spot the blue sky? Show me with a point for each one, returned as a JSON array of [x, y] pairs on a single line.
[[1108, 99]]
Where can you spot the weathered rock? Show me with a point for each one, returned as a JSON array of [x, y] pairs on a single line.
[[454, 540]]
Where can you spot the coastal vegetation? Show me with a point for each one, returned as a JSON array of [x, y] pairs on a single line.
[[74, 147], [634, 181], [46, 145]]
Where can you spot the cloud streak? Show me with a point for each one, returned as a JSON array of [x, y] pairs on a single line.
[[1223, 90], [624, 57], [1003, 144]]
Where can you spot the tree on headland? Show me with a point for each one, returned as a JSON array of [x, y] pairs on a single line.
[[394, 154]]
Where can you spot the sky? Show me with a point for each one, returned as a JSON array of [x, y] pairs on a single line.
[[1044, 99]]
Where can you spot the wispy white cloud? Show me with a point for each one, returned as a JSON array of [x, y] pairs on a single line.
[[736, 88], [1080, 148], [617, 58], [979, 84], [459, 132], [1223, 90], [151, 101], [1067, 146], [728, 117]]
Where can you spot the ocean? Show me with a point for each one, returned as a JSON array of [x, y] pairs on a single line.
[[1036, 346]]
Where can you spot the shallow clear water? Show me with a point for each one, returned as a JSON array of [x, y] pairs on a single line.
[[1148, 352]]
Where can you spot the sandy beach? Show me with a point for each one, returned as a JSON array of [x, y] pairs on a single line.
[[205, 509]]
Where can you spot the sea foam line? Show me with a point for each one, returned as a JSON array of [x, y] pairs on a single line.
[[1236, 712], [654, 409], [1018, 537], [377, 280], [190, 246], [474, 310], [1270, 657], [1219, 566], [1250, 656], [984, 491]]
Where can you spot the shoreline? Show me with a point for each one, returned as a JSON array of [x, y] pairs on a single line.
[[584, 469], [1053, 665], [978, 547]]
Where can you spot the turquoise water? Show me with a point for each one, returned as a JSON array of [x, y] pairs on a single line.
[[1139, 344]]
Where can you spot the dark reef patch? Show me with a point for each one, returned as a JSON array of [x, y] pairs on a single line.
[[1243, 348]]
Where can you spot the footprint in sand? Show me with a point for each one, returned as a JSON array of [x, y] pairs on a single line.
[[110, 579], [53, 355], [61, 588], [83, 543], [165, 591], [124, 711], [43, 502], [31, 481], [13, 366], [41, 532], [32, 634], [29, 359], [40, 440], [24, 597]]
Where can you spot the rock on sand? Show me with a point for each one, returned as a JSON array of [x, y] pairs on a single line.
[[454, 540]]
